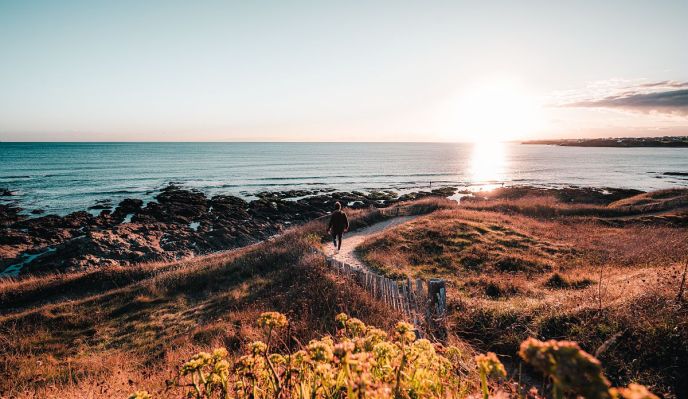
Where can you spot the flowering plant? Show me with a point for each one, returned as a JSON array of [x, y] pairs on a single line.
[[365, 362], [572, 370]]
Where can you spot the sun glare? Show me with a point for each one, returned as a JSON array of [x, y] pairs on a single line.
[[494, 111], [488, 164]]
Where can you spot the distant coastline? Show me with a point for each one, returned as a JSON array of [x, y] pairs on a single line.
[[667, 141]]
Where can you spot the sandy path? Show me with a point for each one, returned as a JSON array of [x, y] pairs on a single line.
[[354, 239]]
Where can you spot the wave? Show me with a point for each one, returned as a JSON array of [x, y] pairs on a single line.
[[362, 176], [100, 193]]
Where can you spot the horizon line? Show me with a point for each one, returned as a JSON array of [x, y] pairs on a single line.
[[241, 141], [317, 142]]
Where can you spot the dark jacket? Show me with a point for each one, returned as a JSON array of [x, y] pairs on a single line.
[[338, 222]]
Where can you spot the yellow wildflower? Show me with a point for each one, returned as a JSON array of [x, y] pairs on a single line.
[[276, 358], [343, 348], [570, 368], [221, 367], [342, 318], [257, 348], [405, 332], [384, 352], [272, 320], [220, 353], [320, 351], [490, 365], [245, 364], [197, 361], [355, 327]]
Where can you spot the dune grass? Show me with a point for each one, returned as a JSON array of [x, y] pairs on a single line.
[[517, 271], [108, 332], [99, 332], [546, 204]]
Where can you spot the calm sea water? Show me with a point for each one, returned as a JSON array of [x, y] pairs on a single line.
[[64, 177]]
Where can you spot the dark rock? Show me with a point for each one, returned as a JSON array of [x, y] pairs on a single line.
[[122, 244], [380, 196], [9, 214], [227, 204], [272, 195], [100, 207], [126, 207], [177, 205], [160, 230], [102, 204], [5, 192], [77, 220], [176, 195], [444, 191]]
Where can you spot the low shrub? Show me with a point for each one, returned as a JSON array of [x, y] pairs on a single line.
[[493, 288], [557, 281], [365, 362]]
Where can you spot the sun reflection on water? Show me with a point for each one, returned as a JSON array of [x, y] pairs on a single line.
[[488, 164]]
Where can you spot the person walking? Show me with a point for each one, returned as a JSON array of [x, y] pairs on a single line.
[[339, 224]]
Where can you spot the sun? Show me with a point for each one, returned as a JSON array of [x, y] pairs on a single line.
[[491, 111]]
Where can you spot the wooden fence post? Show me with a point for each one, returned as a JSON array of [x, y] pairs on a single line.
[[437, 303]]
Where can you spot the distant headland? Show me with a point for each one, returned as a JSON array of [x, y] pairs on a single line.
[[666, 141]]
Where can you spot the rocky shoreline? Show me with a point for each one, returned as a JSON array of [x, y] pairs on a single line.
[[179, 223], [668, 141]]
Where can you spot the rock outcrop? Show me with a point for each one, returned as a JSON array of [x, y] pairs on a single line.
[[178, 223]]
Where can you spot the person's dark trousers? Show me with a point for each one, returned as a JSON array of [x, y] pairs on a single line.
[[335, 237]]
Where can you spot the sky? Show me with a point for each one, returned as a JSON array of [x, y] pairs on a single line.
[[341, 70]]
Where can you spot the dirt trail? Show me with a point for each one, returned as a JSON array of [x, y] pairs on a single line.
[[354, 239]]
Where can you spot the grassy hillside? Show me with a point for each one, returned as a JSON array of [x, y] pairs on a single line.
[[111, 331], [103, 331], [532, 266]]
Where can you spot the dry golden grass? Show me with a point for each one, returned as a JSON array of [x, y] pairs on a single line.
[[511, 273], [531, 267], [459, 242], [655, 200], [100, 333], [668, 206]]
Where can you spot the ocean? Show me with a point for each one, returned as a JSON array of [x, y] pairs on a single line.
[[65, 177]]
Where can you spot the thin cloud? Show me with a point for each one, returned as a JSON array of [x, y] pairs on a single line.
[[665, 83], [662, 97]]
